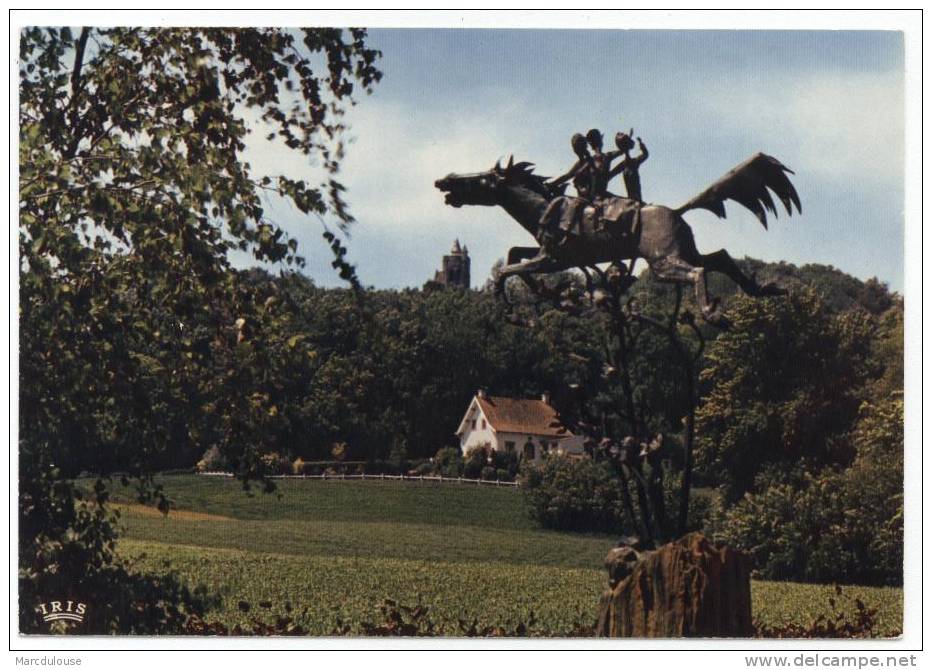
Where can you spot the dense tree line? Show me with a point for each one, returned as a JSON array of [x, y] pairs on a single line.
[[389, 373]]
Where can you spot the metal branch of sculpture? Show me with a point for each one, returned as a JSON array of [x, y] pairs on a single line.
[[689, 361]]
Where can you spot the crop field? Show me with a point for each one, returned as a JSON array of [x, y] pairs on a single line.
[[333, 551]]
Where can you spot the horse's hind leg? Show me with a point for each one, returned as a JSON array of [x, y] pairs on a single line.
[[676, 270], [518, 254], [721, 261]]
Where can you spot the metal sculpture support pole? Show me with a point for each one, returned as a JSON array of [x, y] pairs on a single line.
[[606, 292], [626, 498], [688, 360]]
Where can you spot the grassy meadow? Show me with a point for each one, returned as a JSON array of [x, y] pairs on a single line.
[[334, 550]]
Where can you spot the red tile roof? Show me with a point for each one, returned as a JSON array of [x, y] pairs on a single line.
[[533, 417]]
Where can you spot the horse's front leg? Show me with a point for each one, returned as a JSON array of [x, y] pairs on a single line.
[[541, 263], [518, 254]]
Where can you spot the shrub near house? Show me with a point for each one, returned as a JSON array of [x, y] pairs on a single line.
[[579, 495], [483, 462], [448, 462]]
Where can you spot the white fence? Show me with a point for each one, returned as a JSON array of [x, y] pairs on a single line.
[[403, 478]]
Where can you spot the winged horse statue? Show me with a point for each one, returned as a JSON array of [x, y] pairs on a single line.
[[614, 228]]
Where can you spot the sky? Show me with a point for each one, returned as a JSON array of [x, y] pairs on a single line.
[[828, 104]]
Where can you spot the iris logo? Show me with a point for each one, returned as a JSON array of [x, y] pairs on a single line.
[[56, 610]]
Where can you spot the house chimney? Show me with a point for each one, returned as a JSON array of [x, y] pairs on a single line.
[[545, 397], [480, 393]]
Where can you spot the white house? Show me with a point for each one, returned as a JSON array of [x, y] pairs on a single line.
[[530, 427]]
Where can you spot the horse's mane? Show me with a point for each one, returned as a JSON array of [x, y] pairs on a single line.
[[523, 173]]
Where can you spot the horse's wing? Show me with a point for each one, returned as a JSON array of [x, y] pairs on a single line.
[[747, 185]]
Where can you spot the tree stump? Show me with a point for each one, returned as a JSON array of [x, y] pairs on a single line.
[[687, 588]]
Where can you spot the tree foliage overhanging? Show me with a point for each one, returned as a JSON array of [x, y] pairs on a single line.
[[137, 341]]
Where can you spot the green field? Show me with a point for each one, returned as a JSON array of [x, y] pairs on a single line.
[[335, 550]]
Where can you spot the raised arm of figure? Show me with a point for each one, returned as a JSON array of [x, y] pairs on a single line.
[[643, 148]]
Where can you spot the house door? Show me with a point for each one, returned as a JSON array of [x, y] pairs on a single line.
[[529, 453]]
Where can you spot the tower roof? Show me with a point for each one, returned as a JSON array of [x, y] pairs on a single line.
[[456, 247]]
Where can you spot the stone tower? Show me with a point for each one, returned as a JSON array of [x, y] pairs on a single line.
[[455, 272]]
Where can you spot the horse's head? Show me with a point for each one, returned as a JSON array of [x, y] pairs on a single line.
[[485, 188], [477, 188]]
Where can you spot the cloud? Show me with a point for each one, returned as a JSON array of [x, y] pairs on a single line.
[[399, 151], [838, 127], [394, 155], [404, 226]]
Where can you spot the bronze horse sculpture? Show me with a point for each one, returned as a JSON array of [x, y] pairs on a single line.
[[614, 229]]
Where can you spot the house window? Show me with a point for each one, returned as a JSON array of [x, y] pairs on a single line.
[[473, 424], [509, 446], [529, 450], [483, 424]]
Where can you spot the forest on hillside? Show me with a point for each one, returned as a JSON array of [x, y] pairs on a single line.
[[390, 373]]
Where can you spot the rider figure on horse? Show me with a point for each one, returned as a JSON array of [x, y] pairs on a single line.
[[593, 171], [629, 165], [564, 208], [591, 174], [601, 165], [582, 168]]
